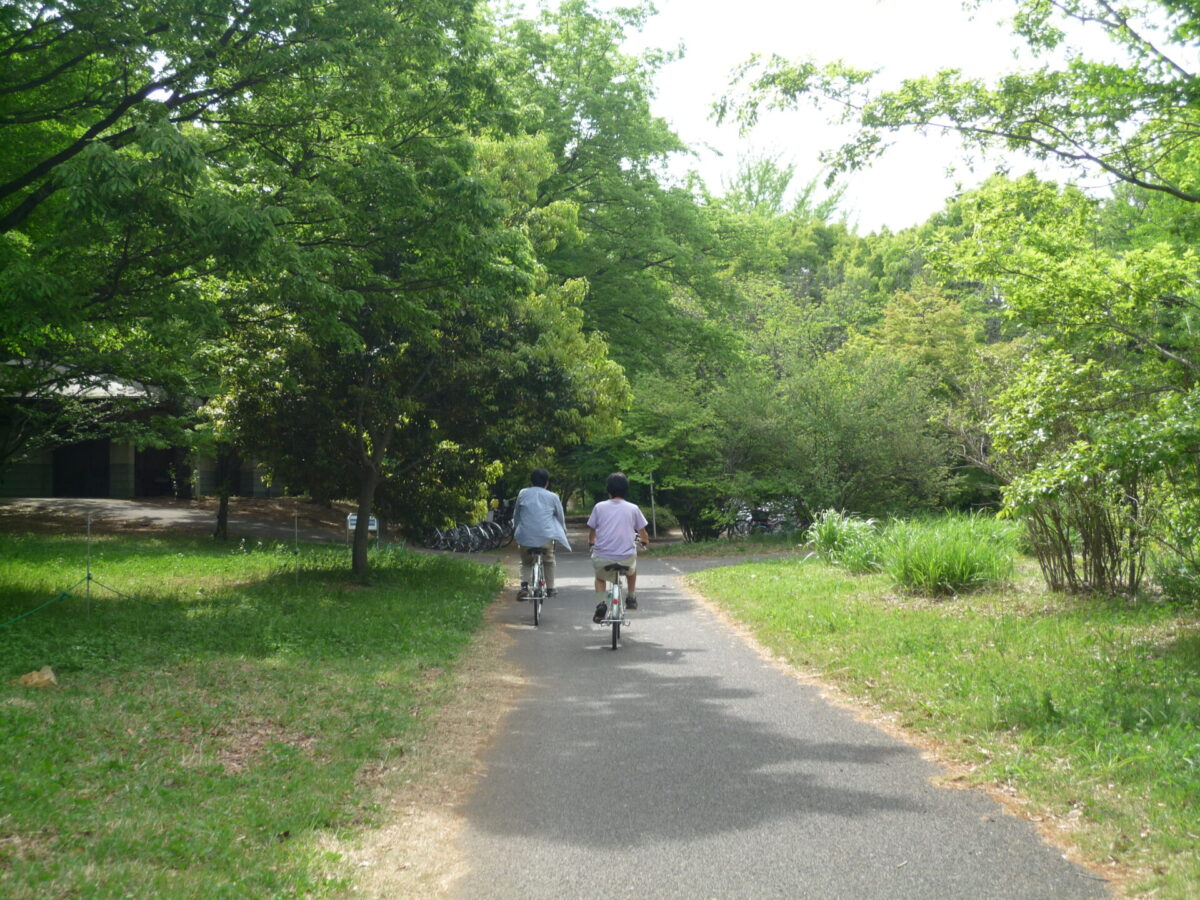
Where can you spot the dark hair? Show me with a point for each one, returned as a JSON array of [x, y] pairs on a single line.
[[617, 485], [539, 477]]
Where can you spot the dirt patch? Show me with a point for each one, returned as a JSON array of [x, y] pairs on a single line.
[[415, 852], [236, 745]]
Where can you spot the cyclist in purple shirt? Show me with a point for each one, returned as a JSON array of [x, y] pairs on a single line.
[[613, 527]]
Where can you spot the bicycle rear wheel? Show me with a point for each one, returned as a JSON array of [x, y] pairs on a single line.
[[538, 584], [616, 634]]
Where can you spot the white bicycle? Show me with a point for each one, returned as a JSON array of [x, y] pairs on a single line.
[[616, 601], [537, 584]]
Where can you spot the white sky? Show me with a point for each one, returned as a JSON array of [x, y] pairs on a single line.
[[904, 38]]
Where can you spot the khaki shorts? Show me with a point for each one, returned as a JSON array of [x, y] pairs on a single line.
[[599, 562]]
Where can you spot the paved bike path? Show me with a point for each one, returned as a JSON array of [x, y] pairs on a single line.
[[685, 765]]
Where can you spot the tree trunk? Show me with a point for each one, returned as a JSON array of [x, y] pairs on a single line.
[[227, 470], [362, 528], [221, 532]]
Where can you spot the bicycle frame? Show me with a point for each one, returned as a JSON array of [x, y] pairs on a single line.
[[616, 603]]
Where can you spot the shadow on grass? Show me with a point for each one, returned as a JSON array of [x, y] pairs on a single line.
[[174, 599]]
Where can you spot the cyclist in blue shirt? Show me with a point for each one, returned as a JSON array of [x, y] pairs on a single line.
[[539, 522]]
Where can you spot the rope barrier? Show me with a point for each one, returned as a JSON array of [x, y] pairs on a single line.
[[64, 595]]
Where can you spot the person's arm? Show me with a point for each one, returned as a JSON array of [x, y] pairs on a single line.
[[643, 538], [591, 536]]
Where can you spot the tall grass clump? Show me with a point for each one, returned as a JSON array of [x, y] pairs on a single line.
[[845, 540], [949, 555]]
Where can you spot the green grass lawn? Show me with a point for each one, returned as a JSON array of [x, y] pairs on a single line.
[[211, 723], [746, 545], [1090, 708]]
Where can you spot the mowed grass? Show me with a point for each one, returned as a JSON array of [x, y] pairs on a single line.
[[1089, 708], [743, 545], [213, 722]]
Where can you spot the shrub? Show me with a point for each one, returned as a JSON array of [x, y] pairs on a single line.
[[949, 555], [846, 540], [1179, 579]]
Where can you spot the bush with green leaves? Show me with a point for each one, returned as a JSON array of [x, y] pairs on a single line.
[[949, 555], [846, 540]]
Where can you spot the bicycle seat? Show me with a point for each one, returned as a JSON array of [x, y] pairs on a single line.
[[616, 567], [538, 550]]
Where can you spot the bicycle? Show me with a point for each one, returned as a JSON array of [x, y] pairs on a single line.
[[537, 584], [616, 601]]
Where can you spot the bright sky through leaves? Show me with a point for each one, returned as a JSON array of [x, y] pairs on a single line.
[[904, 38]]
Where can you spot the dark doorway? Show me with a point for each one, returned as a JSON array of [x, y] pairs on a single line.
[[81, 470], [152, 471]]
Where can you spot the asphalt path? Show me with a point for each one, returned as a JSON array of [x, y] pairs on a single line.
[[684, 764]]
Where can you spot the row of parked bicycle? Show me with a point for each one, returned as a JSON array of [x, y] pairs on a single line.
[[772, 518], [493, 533], [463, 538]]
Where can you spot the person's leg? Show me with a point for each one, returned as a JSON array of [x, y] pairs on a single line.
[[526, 571], [631, 585], [548, 566], [601, 590]]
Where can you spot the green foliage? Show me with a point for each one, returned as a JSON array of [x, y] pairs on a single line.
[[122, 207], [857, 436], [948, 555], [1087, 438], [638, 242], [1095, 430], [846, 540], [409, 343], [211, 726]]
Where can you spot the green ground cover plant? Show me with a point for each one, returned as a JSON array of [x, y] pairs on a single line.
[[1089, 708], [212, 722]]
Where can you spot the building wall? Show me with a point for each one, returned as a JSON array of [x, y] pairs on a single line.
[[250, 481], [121, 471], [32, 477]]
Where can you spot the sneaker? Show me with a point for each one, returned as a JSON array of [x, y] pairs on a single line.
[[631, 602], [523, 593], [551, 592], [601, 613]]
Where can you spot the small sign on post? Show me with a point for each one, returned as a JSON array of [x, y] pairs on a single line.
[[352, 523]]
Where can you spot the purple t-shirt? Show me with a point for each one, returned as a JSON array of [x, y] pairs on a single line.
[[617, 523]]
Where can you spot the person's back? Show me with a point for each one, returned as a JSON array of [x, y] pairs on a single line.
[[539, 522], [616, 522], [615, 528]]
